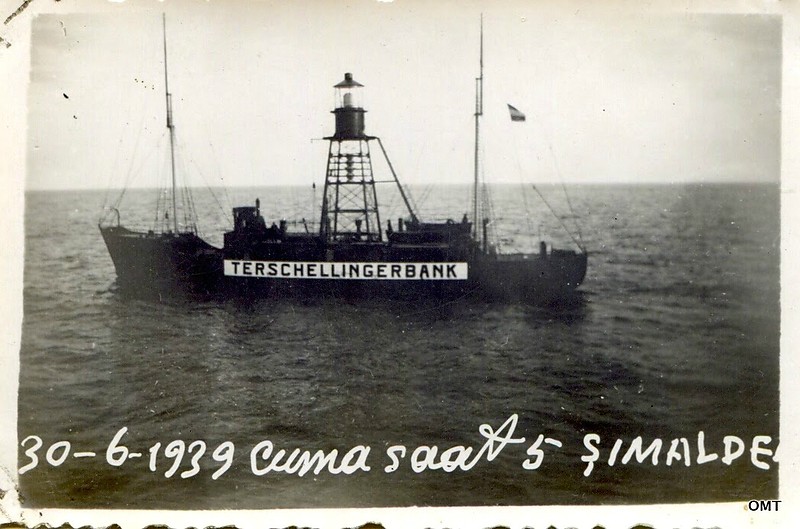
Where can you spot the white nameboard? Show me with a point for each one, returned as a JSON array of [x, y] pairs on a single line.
[[347, 270]]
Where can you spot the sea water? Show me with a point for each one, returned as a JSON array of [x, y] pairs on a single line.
[[676, 332]]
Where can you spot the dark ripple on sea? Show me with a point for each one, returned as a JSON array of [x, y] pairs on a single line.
[[676, 331]]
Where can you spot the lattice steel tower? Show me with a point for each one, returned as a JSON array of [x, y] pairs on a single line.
[[350, 203]]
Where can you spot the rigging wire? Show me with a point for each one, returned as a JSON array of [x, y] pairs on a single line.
[[579, 240], [186, 208], [557, 216], [414, 203], [566, 195], [210, 189], [525, 201], [132, 169], [486, 208], [180, 189], [557, 168], [114, 168], [159, 197], [190, 213], [228, 201], [411, 200], [126, 181], [132, 172], [489, 209], [426, 192]]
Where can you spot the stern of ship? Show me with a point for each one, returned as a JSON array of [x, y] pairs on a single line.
[[541, 279]]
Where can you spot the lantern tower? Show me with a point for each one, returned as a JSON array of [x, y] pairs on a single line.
[[350, 203]]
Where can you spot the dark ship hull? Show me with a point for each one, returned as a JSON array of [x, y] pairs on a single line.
[[532, 278], [431, 259], [534, 281], [440, 263]]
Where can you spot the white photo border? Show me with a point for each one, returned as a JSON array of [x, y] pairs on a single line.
[[14, 62]]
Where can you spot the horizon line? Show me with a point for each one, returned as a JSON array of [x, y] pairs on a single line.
[[609, 183]]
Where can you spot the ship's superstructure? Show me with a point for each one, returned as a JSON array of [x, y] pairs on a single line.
[[354, 251]]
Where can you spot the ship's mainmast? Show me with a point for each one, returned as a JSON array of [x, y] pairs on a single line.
[[476, 222], [350, 203]]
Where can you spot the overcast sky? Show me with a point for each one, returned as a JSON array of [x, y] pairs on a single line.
[[610, 95]]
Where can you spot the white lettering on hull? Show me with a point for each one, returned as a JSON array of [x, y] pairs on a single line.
[[343, 270]]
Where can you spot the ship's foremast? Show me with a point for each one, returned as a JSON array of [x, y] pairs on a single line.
[[171, 129], [187, 202]]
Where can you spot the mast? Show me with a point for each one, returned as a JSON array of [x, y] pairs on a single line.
[[478, 114], [171, 129]]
